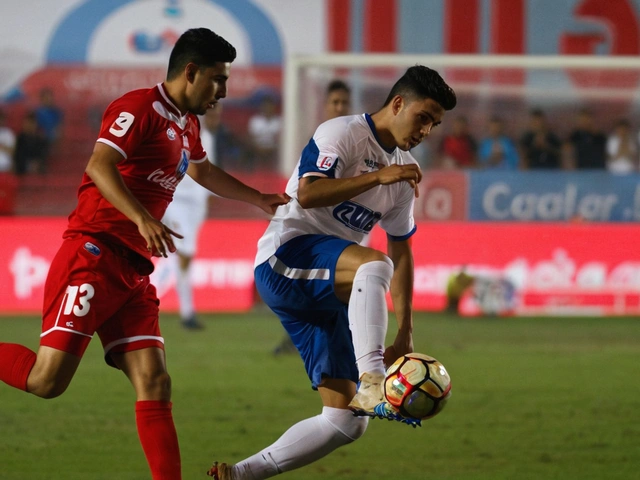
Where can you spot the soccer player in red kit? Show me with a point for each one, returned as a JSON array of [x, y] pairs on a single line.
[[99, 279]]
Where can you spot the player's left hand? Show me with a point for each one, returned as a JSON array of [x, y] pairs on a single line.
[[158, 237], [269, 202]]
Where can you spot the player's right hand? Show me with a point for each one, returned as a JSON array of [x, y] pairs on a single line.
[[401, 173], [269, 202], [158, 237]]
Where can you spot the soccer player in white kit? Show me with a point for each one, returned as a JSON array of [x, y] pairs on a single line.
[[327, 289], [185, 215]]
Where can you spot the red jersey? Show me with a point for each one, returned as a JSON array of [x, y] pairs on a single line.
[[157, 143]]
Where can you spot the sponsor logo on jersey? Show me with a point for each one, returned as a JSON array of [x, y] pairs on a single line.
[[92, 249], [325, 162], [121, 124], [355, 216], [170, 181], [171, 133], [372, 164]]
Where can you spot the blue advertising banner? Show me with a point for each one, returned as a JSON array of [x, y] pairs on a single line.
[[554, 196]]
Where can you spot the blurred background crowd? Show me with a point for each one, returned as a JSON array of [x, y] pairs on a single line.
[[42, 142]]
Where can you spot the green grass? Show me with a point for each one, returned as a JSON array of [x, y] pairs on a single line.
[[532, 399]]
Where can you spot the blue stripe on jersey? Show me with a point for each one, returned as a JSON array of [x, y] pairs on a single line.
[[372, 126], [402, 237], [309, 161]]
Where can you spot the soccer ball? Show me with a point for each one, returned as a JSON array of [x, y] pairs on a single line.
[[417, 385]]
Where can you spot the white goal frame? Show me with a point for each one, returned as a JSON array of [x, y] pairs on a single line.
[[292, 85]]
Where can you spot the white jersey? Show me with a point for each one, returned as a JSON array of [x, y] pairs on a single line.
[[344, 147]]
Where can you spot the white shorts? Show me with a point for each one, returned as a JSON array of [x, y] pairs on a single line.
[[186, 219]]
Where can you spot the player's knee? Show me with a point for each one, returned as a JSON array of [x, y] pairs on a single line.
[[355, 427], [154, 385], [46, 388], [380, 266], [47, 383], [349, 427]]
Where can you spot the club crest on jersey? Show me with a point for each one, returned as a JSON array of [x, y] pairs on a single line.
[[183, 164], [326, 162], [355, 216], [171, 133]]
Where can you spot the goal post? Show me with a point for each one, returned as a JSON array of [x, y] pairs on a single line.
[[504, 85]]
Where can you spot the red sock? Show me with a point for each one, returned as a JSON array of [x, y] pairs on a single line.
[[159, 439], [16, 363]]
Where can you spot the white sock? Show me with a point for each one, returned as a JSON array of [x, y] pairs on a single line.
[[368, 315], [304, 443], [185, 292]]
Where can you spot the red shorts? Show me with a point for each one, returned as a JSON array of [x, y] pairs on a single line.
[[93, 286]]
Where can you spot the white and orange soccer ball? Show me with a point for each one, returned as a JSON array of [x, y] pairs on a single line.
[[417, 385]]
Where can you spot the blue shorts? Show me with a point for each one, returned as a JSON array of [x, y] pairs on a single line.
[[297, 284]]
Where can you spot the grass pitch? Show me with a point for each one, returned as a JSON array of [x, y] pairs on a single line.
[[533, 398]]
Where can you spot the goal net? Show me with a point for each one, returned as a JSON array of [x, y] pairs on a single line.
[[498, 234], [486, 85]]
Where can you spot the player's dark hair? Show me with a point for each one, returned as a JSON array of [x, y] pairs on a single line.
[[420, 82], [200, 46], [337, 84]]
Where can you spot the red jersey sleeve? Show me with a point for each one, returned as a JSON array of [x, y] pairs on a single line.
[[125, 123]]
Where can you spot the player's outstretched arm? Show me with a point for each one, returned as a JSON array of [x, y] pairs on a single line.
[[224, 185], [402, 296], [314, 192], [105, 174]]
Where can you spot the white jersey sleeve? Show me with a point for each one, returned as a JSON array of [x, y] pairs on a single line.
[[326, 152]]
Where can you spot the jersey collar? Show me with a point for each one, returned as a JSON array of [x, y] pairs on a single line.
[[372, 126], [175, 116]]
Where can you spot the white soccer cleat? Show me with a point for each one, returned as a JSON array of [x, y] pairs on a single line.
[[371, 402], [369, 394]]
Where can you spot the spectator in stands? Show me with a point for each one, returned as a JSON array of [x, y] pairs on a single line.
[[31, 147], [219, 140], [49, 118], [338, 99], [497, 150], [541, 148], [587, 145], [7, 144], [622, 149], [458, 149], [264, 134]]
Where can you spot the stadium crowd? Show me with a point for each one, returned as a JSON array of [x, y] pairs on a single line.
[[43, 138]]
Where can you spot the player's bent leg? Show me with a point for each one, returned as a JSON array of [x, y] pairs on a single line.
[[369, 273], [146, 369], [52, 372], [367, 311], [306, 441], [16, 362]]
